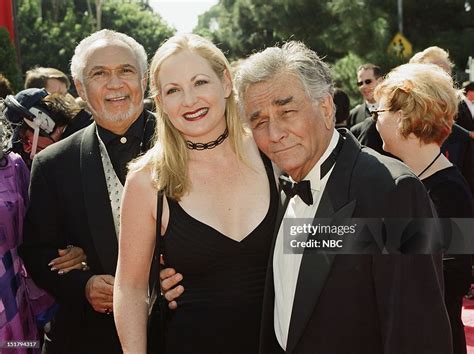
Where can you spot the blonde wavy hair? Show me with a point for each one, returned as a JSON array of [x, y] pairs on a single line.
[[426, 96], [433, 55], [168, 159]]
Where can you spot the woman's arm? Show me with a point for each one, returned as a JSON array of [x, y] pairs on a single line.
[[136, 245]]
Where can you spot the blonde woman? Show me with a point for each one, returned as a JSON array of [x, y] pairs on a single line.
[[219, 209], [417, 105]]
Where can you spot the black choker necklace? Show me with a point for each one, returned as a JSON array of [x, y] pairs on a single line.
[[431, 164], [210, 145]]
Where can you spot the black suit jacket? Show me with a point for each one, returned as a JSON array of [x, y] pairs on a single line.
[[358, 114], [365, 304], [69, 204], [367, 134], [464, 117]]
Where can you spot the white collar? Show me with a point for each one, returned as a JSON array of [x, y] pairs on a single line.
[[371, 106]]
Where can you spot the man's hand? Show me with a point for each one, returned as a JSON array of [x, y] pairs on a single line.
[[99, 292], [169, 280], [69, 258]]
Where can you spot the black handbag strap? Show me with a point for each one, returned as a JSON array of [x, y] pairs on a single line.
[[154, 279]]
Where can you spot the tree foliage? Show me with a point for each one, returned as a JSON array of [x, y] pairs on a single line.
[[8, 62], [344, 32], [50, 29]]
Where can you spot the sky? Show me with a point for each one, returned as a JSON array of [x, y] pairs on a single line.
[[182, 14]]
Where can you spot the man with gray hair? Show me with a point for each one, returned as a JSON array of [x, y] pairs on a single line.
[[76, 188], [323, 302]]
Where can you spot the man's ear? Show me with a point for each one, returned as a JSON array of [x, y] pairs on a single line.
[[327, 107], [80, 89]]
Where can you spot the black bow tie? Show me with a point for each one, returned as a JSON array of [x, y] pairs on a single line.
[[303, 188]]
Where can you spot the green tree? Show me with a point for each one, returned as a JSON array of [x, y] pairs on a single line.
[[344, 75], [341, 30], [240, 27], [50, 29], [8, 60], [46, 42], [138, 21]]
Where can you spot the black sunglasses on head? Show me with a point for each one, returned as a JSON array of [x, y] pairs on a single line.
[[366, 81], [375, 113]]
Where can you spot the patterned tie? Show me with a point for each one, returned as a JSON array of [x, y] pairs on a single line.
[[114, 186]]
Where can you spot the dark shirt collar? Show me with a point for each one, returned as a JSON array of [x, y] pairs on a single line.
[[135, 130]]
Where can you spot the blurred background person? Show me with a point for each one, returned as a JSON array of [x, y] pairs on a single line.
[[459, 146], [39, 119], [361, 124], [466, 108], [5, 87], [55, 81], [25, 308], [417, 106], [51, 79], [368, 76], [342, 102]]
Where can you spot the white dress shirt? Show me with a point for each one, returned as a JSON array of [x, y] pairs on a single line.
[[286, 266]]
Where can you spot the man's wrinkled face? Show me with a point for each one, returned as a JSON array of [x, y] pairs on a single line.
[[112, 85], [291, 129]]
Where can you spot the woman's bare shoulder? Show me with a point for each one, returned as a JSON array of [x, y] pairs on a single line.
[[141, 179]]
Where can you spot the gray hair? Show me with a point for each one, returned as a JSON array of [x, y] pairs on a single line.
[[293, 57], [78, 61]]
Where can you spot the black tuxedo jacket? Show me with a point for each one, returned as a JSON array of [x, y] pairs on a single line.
[[358, 114], [365, 304], [464, 117], [367, 134], [70, 205]]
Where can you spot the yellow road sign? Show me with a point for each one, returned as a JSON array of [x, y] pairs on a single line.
[[400, 46]]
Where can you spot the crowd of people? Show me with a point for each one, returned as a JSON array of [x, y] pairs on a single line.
[[229, 156]]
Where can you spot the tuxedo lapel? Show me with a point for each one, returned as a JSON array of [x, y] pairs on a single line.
[[315, 268], [96, 200]]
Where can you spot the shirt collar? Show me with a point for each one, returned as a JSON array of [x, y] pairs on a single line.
[[135, 130], [314, 174], [371, 106]]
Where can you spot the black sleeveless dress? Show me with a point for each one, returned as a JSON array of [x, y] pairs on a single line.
[[220, 309]]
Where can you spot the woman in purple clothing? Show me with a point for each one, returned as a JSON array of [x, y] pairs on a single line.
[[24, 308]]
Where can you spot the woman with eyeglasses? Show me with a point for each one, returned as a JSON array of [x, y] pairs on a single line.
[[417, 105]]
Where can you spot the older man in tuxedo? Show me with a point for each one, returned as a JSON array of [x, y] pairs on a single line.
[[326, 303], [75, 192]]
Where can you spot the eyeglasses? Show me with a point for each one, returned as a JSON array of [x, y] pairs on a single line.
[[375, 113], [366, 81]]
